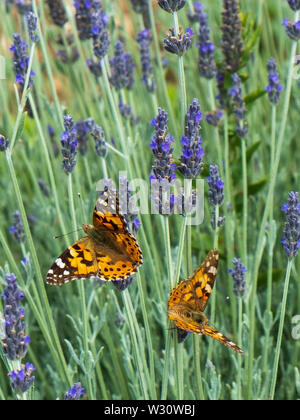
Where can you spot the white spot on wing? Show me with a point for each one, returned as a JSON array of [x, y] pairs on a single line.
[[60, 263]]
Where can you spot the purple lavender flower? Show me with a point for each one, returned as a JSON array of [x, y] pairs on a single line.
[[31, 20], [294, 4], [223, 96], [122, 285], [239, 107], [291, 232], [82, 131], [17, 229], [232, 45], [95, 67], [20, 60], [192, 152], [69, 144], [57, 12], [215, 195], [15, 342], [163, 170], [127, 206], [292, 29], [206, 62], [21, 380], [178, 44], [144, 39], [171, 6], [24, 6], [274, 87], [216, 186], [161, 146], [121, 66], [83, 18], [238, 275], [74, 393], [214, 117], [195, 14], [4, 143], [99, 20], [98, 134]]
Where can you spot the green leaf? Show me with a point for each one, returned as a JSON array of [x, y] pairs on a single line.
[[21, 126], [257, 186], [252, 149]]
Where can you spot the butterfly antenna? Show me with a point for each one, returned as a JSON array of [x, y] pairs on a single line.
[[65, 234]]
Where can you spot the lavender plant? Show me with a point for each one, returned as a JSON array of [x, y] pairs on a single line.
[[100, 75]]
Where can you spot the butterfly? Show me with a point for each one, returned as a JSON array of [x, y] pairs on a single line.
[[108, 251], [189, 299]]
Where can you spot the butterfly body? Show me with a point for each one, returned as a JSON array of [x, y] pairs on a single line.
[[109, 251], [188, 300]]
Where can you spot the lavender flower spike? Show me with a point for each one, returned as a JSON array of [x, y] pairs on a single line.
[[20, 60], [121, 66], [17, 229], [274, 87], [100, 36], [57, 12], [74, 393], [232, 45], [192, 151], [292, 29], [180, 43], [294, 4], [239, 107], [69, 144], [195, 15], [238, 275], [207, 65], [4, 143], [291, 232], [31, 20], [163, 167], [15, 342], [22, 380], [144, 38], [216, 186], [171, 6], [215, 194], [83, 18]]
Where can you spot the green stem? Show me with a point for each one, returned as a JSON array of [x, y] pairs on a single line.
[[25, 94], [46, 56], [245, 201], [280, 329], [239, 340], [229, 214], [160, 70], [182, 88], [271, 243]]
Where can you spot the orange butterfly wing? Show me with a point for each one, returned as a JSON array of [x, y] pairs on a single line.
[[189, 299], [109, 251]]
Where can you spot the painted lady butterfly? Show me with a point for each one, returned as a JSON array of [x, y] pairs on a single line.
[[189, 299], [108, 251]]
